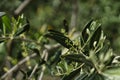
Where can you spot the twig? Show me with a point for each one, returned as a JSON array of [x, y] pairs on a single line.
[[42, 72], [17, 66], [21, 7], [36, 66], [45, 56], [19, 38]]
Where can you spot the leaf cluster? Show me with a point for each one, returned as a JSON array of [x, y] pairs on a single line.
[[91, 59]]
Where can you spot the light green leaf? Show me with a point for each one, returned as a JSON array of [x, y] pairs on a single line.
[[112, 73], [6, 24]]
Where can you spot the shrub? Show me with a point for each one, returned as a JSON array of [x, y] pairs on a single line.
[[31, 54]]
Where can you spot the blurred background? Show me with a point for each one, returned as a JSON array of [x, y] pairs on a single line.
[[51, 13]]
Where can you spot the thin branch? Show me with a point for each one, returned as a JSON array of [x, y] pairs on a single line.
[[21, 39], [36, 66], [21, 7], [42, 72], [17, 66], [45, 57]]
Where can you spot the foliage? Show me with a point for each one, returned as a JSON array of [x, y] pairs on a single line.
[[90, 59], [16, 44], [51, 13], [32, 53]]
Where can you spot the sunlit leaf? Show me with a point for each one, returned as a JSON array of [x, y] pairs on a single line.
[[6, 23]]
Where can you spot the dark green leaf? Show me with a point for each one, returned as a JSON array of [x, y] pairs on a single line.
[[25, 28], [99, 77], [3, 52], [36, 51], [77, 58], [56, 32], [81, 41], [95, 37], [91, 77], [60, 38], [66, 27], [56, 58], [84, 33]]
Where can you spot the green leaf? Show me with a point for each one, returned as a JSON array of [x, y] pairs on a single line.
[[77, 58], [60, 38], [72, 74], [106, 47], [25, 28], [95, 37], [56, 32], [20, 20], [91, 77], [66, 27], [3, 52], [85, 35], [112, 73], [6, 24], [56, 58]]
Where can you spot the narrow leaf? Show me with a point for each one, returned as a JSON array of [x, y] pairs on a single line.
[[84, 33], [72, 74], [25, 28], [77, 58], [60, 38], [6, 23], [82, 76], [66, 27], [56, 58], [95, 37]]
